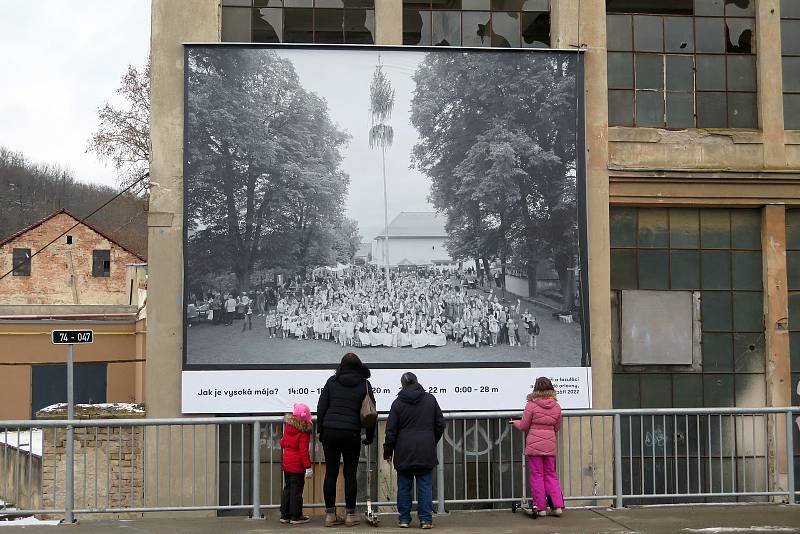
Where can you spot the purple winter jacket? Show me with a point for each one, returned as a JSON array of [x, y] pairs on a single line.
[[540, 420]]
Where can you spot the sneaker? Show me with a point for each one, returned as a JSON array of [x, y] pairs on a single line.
[[284, 520], [403, 525], [300, 520], [542, 513], [556, 512], [427, 526]]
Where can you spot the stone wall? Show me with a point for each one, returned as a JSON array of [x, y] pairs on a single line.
[[108, 463]]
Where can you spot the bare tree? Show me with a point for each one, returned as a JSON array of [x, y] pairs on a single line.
[[123, 131]]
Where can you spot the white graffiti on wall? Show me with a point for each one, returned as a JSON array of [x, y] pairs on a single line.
[[797, 420], [656, 438], [476, 441]]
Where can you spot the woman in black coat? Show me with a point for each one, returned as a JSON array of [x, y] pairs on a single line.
[[415, 426], [339, 425]]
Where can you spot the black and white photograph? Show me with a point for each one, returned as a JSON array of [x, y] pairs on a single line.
[[418, 206]]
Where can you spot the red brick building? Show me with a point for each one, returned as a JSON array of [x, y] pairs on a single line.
[[84, 266]]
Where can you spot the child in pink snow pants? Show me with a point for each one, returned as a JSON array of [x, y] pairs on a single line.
[[541, 421]]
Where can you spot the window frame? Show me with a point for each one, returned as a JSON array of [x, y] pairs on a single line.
[[21, 267], [794, 94], [428, 8], [254, 9], [632, 94], [101, 270]]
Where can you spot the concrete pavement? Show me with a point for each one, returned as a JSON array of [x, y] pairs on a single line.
[[669, 519]]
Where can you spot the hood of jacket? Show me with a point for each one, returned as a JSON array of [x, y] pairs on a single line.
[[411, 394], [351, 374], [296, 422], [541, 395], [545, 402]]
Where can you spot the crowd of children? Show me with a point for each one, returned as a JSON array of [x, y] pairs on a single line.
[[359, 309]]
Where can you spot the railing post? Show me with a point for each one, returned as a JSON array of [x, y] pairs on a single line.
[[440, 476], [790, 458], [618, 460], [69, 479], [256, 513]]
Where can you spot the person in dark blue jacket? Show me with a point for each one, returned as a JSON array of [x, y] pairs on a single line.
[[415, 426], [339, 425]]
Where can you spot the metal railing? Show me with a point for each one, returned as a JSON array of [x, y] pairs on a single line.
[[232, 464]]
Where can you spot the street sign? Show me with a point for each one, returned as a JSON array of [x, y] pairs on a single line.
[[72, 337]]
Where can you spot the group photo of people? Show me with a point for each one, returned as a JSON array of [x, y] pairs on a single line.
[[363, 220], [359, 309]]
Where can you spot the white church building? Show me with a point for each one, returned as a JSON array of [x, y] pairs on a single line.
[[416, 238]]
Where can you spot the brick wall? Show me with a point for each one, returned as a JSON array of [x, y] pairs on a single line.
[[62, 274], [108, 463]]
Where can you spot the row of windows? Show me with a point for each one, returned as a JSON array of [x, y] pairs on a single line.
[[671, 63], [790, 48], [716, 252], [517, 29], [21, 261], [679, 71], [298, 25]]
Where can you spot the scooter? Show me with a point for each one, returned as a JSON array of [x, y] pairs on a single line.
[[370, 515], [525, 503]]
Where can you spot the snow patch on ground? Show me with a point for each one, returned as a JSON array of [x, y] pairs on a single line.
[[715, 530], [111, 406], [22, 521]]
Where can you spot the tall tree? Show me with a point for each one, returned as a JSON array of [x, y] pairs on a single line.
[[262, 164], [123, 130], [381, 135], [497, 139]]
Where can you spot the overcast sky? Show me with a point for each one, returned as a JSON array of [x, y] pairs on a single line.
[[60, 61], [344, 83]]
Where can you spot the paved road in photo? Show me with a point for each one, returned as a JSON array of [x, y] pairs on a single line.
[[558, 345]]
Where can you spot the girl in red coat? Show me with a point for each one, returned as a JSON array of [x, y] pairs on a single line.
[[541, 421], [296, 463]]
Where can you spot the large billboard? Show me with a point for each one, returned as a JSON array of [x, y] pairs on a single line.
[[421, 207]]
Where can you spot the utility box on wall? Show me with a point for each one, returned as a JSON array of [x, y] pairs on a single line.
[[657, 327]]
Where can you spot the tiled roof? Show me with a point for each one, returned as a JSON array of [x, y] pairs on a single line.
[[67, 213], [416, 224]]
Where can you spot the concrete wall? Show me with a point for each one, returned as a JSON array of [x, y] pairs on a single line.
[[631, 166], [634, 166], [20, 477], [62, 274], [173, 22]]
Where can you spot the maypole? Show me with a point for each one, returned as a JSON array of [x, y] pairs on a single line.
[[381, 135]]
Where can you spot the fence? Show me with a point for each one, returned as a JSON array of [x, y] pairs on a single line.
[[128, 467]]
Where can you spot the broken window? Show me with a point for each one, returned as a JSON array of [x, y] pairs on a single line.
[[682, 64], [482, 23], [298, 21]]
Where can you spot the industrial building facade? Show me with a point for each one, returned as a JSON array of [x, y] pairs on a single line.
[[693, 174]]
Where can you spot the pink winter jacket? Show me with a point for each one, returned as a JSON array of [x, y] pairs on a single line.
[[541, 420]]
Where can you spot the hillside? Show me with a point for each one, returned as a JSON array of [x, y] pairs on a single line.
[[30, 192]]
